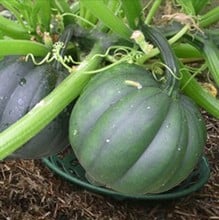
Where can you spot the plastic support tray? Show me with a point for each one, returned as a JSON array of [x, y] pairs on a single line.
[[67, 166]]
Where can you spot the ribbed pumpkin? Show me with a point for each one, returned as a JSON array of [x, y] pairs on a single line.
[[133, 134], [22, 86]]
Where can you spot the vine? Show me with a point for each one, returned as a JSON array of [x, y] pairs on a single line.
[[54, 55], [157, 70]]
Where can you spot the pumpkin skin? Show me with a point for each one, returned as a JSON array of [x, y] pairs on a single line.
[[135, 139], [22, 86]]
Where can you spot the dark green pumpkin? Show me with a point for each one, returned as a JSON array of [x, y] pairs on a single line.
[[22, 86], [133, 134]]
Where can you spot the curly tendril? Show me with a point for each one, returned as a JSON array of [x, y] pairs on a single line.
[[122, 53], [157, 70], [79, 17], [54, 55], [117, 54]]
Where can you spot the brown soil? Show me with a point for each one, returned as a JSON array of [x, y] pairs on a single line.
[[30, 191]]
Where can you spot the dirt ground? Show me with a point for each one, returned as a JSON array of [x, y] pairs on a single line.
[[30, 191]]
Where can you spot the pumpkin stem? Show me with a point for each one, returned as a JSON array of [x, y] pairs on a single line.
[[168, 56]]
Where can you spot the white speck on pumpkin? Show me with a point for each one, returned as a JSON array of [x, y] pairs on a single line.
[[133, 83], [107, 140], [75, 132]]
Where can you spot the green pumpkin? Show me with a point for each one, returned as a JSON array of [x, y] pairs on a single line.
[[133, 134], [22, 86]]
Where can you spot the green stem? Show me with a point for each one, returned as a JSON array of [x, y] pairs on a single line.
[[209, 18], [186, 50], [195, 91], [22, 47], [29, 125], [153, 11], [210, 53], [168, 57], [154, 52]]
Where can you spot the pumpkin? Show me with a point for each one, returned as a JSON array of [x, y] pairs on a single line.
[[133, 134], [22, 86]]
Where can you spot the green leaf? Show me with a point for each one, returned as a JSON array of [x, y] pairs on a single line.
[[211, 53], [187, 6], [44, 14], [61, 6], [192, 7], [99, 9], [15, 8], [132, 10], [199, 5], [30, 14], [13, 29]]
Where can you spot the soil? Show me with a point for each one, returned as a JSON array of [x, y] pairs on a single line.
[[30, 191]]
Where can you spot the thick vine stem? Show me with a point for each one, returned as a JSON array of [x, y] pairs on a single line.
[[22, 47], [209, 51], [152, 11], [168, 56], [49, 107]]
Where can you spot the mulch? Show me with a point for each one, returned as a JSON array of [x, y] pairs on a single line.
[[30, 191]]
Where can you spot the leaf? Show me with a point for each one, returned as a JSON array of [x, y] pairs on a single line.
[[211, 53], [199, 5], [99, 9], [42, 11], [132, 10], [13, 29], [187, 6], [192, 7]]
